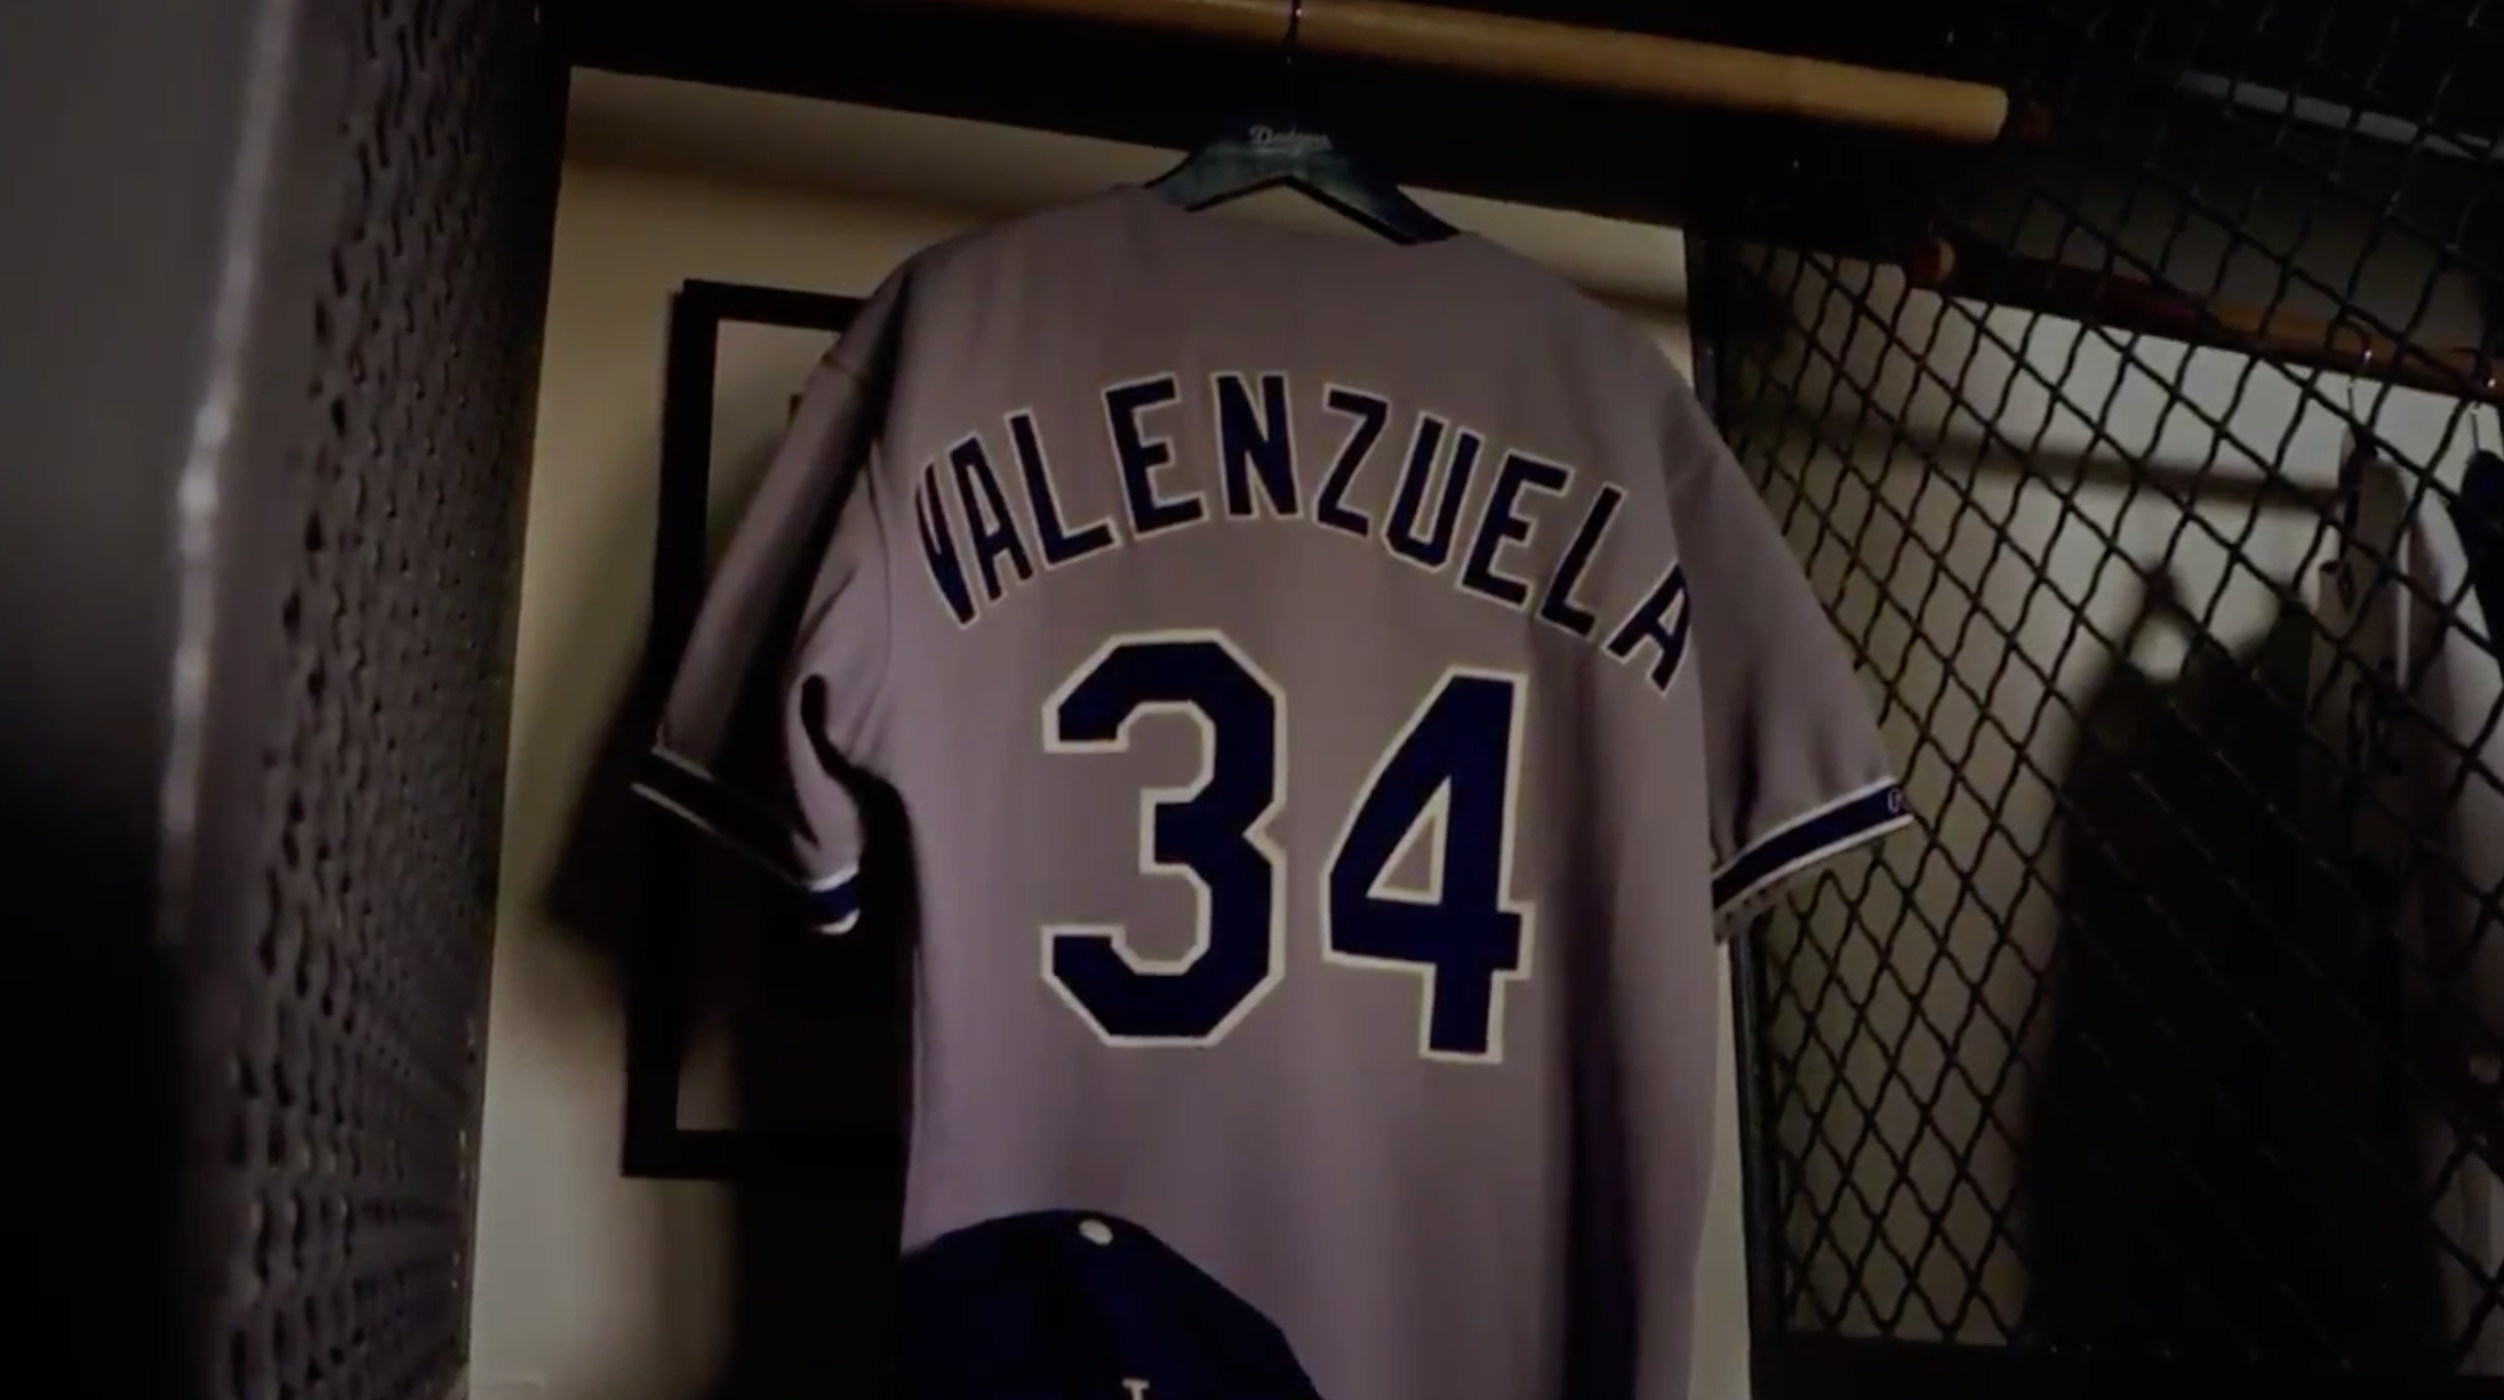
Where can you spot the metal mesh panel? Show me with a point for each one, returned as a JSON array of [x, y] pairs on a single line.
[[351, 1126], [2146, 1045]]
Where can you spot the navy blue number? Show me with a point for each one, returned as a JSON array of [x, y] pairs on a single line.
[[1208, 834], [1443, 796]]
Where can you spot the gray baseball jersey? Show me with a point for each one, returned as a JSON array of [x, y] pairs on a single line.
[[2411, 684], [1332, 686], [2411, 784]]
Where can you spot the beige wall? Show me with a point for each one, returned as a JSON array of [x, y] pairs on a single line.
[[591, 1286]]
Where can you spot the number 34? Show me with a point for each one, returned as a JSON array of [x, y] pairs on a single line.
[[1447, 782]]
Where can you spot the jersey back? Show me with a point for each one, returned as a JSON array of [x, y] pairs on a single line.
[[1334, 689]]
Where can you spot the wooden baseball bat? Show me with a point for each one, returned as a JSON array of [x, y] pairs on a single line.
[[1544, 52]]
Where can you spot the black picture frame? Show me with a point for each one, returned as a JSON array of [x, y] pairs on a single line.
[[659, 1004]]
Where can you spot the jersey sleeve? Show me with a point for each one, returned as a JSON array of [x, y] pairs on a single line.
[[2453, 667], [779, 677], [1794, 769], [2406, 779]]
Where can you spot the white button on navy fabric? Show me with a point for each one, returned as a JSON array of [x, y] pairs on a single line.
[[1095, 1231]]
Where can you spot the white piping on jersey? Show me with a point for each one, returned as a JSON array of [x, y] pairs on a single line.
[[1845, 840], [678, 760], [779, 869]]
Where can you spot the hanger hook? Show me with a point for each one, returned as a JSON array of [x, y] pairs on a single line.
[[1288, 47], [2364, 365]]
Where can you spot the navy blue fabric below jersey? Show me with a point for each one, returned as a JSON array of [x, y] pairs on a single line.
[[1073, 1305]]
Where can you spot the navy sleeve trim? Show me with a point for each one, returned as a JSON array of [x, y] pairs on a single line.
[[1810, 839], [835, 901], [681, 787]]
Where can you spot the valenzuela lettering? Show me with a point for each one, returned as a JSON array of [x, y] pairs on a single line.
[[994, 515]]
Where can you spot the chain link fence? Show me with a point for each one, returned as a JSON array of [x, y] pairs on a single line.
[[2148, 485]]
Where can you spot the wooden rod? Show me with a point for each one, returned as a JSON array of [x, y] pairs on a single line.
[[2134, 304], [1520, 50]]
